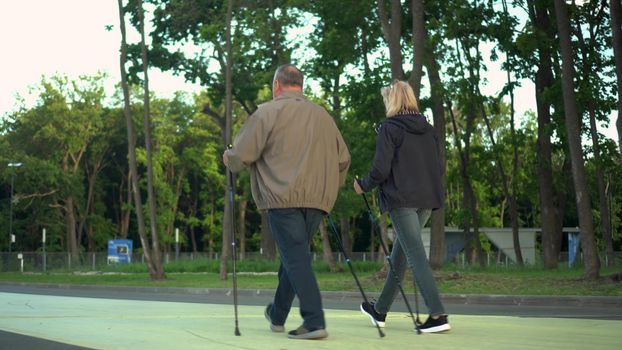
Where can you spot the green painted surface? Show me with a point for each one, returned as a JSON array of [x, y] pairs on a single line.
[[130, 324]]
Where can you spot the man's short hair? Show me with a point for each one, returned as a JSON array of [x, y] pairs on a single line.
[[289, 75]]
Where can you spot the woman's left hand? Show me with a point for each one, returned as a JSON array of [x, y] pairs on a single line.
[[357, 187]]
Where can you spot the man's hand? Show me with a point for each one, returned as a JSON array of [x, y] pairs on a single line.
[[225, 158], [357, 187]]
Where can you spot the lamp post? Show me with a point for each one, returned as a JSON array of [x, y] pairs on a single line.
[[12, 166]]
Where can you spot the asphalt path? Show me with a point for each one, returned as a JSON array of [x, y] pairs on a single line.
[[597, 308], [587, 308]]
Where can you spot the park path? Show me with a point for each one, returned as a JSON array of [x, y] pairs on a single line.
[[102, 323]]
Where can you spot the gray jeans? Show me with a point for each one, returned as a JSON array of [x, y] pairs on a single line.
[[408, 249]]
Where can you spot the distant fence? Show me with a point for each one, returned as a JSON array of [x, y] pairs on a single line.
[[44, 262]]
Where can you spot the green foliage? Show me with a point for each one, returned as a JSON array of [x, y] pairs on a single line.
[[73, 145]]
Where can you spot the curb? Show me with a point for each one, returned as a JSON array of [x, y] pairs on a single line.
[[464, 299]]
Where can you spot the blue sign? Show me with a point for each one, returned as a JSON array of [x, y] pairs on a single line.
[[119, 251], [574, 245]]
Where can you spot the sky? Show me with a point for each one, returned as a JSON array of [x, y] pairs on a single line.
[[47, 37], [69, 37]]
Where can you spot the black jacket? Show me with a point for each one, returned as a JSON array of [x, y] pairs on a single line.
[[406, 166]]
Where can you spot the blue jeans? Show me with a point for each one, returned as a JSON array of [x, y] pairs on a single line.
[[408, 249], [293, 229]]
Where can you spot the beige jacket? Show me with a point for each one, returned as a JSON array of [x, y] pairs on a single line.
[[296, 154]]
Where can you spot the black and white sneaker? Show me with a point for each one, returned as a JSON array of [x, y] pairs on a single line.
[[435, 325], [375, 317]]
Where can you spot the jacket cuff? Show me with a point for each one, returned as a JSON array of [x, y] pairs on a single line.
[[365, 184]]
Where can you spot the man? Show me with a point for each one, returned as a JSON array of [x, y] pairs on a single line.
[[297, 160]]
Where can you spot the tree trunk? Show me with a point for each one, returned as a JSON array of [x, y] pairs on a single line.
[[70, 220], [125, 206], [92, 177], [392, 29], [326, 249], [551, 229], [268, 247], [384, 236], [153, 223], [419, 44], [131, 145], [616, 31], [437, 229], [193, 208], [590, 254], [372, 234], [193, 239], [242, 228], [474, 251], [422, 52], [611, 259], [345, 235], [336, 103], [365, 50]]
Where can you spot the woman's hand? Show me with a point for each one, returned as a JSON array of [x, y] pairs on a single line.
[[357, 187], [225, 158]]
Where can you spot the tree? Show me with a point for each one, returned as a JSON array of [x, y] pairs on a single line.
[[467, 33], [326, 248], [506, 38], [593, 97], [97, 157], [154, 263], [203, 23], [615, 9], [551, 220], [423, 45], [57, 132], [473, 248], [590, 255], [153, 223]]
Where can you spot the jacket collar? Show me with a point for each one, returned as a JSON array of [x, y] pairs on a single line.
[[290, 94]]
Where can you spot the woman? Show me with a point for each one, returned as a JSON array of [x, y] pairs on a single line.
[[408, 171]]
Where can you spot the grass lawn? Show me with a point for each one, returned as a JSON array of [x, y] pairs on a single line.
[[261, 275]]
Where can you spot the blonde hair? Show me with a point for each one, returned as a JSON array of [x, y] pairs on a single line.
[[399, 98]]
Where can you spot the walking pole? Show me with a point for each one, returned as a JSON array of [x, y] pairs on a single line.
[[233, 251], [345, 255], [416, 321]]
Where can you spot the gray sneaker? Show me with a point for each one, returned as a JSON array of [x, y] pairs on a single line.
[[303, 333], [273, 327]]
